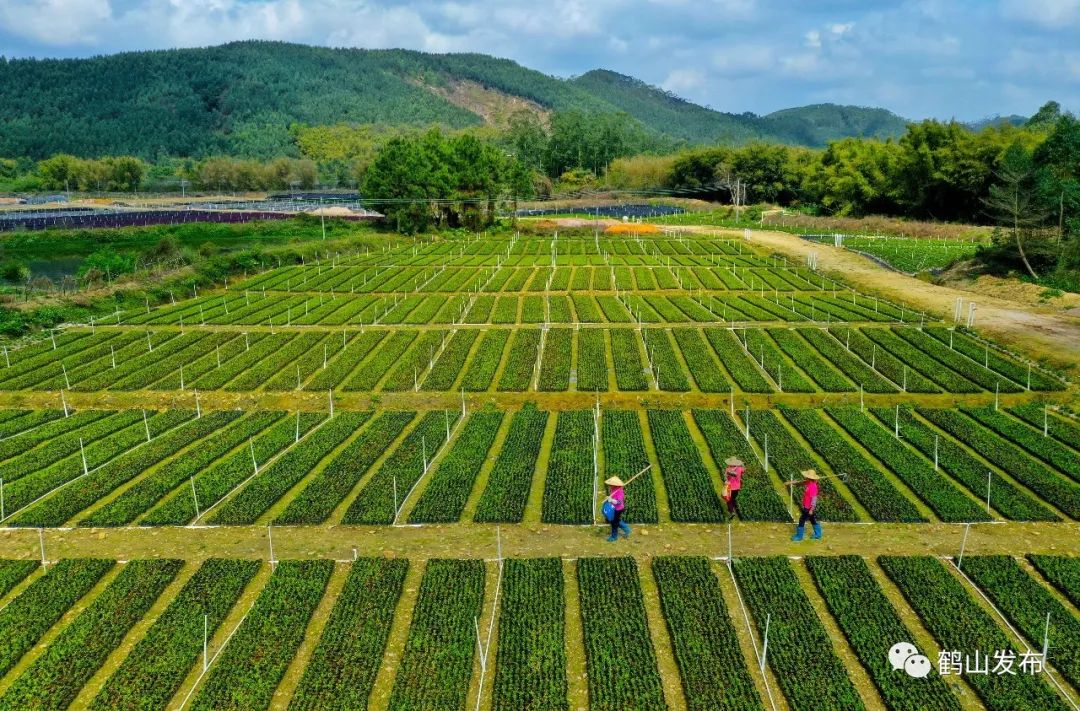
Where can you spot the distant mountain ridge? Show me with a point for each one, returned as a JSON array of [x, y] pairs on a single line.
[[241, 98]]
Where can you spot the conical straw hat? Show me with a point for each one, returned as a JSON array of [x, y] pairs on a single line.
[[614, 481], [810, 474]]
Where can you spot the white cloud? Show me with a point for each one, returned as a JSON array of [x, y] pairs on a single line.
[[751, 59], [56, 22], [813, 39], [684, 81], [1055, 14]]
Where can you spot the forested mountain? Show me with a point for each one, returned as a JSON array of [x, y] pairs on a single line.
[[241, 99], [818, 124]]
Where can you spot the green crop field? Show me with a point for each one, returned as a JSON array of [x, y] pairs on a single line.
[[910, 254], [372, 480]]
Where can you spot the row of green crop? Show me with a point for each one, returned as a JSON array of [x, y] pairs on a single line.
[[1051, 486], [757, 499], [1063, 573], [444, 499], [867, 482], [59, 439], [691, 494], [149, 490], [55, 677], [43, 602], [155, 668], [521, 360], [209, 486], [486, 361], [944, 498], [530, 664], [272, 482], [285, 312], [953, 459], [507, 490], [788, 457], [253, 663], [333, 483], [625, 457], [104, 440], [706, 647], [341, 671], [958, 623], [568, 489], [437, 663], [556, 360], [620, 661], [445, 371], [402, 359], [872, 625], [382, 497], [1026, 603], [1056, 454], [68, 486], [800, 651]]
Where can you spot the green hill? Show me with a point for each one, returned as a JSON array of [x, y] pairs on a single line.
[[241, 98], [818, 124]]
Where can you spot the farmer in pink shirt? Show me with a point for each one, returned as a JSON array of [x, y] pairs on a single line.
[[733, 483], [809, 505], [616, 497]]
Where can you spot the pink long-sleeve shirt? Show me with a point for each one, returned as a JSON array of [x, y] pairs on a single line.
[[734, 478], [809, 495], [617, 495]]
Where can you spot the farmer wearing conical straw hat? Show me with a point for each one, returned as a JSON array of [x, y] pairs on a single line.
[[733, 474], [615, 503], [809, 505]]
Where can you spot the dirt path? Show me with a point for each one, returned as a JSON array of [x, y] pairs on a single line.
[[461, 540]]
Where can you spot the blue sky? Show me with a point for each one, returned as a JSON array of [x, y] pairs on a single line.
[[943, 58]]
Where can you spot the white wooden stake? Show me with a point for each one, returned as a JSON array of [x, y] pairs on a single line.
[[935, 452], [63, 401], [41, 541], [270, 539], [989, 477], [765, 642], [82, 452], [297, 425], [255, 464], [198, 407], [963, 545], [1046, 638], [331, 402], [205, 642]]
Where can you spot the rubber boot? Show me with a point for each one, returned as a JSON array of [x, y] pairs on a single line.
[[625, 528], [612, 538], [799, 532], [817, 532]]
